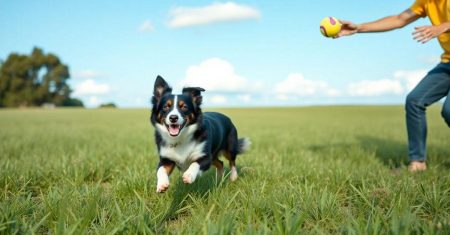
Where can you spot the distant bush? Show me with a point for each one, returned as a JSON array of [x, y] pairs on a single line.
[[73, 102], [108, 105]]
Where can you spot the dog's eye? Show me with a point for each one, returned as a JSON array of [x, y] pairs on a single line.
[[184, 108], [166, 108]]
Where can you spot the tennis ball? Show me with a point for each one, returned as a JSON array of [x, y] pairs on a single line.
[[330, 26]]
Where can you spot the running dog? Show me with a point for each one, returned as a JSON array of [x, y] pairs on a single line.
[[190, 139]]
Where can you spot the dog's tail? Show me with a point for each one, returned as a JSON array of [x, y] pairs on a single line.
[[244, 145]]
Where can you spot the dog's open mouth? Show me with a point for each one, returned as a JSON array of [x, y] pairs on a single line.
[[174, 129]]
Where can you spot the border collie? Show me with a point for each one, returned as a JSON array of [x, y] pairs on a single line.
[[188, 138]]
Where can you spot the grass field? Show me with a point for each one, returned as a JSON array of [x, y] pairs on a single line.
[[316, 170]]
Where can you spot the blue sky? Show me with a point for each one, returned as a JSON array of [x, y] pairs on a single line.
[[245, 53]]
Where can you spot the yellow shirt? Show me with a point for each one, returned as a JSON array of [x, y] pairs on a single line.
[[439, 12]]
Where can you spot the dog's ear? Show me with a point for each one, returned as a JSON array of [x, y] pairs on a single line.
[[195, 93], [161, 87]]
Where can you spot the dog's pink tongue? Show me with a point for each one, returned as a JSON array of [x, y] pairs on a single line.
[[174, 129]]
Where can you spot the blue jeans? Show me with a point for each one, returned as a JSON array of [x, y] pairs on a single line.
[[433, 87]]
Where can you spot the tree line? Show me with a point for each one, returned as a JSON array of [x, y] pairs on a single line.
[[35, 80]]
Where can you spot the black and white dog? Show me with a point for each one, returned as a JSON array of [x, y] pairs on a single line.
[[188, 138]]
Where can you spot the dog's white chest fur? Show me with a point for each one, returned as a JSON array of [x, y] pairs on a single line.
[[183, 150], [183, 154]]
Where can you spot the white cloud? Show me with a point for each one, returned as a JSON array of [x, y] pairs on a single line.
[[216, 12], [94, 101], [296, 85], [91, 87], [218, 99], [403, 81], [218, 75], [411, 78], [88, 74], [146, 26], [375, 88], [245, 98]]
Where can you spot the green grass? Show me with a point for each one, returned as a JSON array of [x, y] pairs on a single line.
[[312, 170]]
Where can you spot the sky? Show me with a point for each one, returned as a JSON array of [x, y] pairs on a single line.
[[244, 53]]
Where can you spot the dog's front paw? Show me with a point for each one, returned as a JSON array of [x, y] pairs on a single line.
[[161, 188], [191, 173], [162, 185], [188, 178]]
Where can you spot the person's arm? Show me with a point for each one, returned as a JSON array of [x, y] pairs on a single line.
[[381, 25]]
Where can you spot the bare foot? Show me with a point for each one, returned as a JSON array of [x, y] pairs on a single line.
[[416, 166]]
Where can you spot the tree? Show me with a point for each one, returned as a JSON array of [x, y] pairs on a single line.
[[31, 80]]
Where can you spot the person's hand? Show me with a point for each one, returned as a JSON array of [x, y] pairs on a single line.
[[424, 34], [348, 28]]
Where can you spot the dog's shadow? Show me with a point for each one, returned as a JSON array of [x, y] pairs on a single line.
[[186, 196]]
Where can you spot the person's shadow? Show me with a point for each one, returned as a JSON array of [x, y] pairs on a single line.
[[395, 154], [392, 153]]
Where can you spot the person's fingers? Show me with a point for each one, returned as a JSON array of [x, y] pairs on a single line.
[[420, 37], [346, 33], [421, 31], [345, 22], [343, 33], [421, 28], [423, 38], [424, 33], [348, 28], [417, 35]]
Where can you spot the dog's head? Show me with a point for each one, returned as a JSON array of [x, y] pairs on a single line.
[[171, 112]]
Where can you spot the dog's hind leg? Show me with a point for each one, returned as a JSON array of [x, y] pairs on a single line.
[[231, 153], [219, 168], [234, 174], [232, 161]]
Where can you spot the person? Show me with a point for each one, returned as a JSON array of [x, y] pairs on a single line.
[[435, 85]]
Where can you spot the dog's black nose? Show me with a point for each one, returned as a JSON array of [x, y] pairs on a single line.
[[173, 118]]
